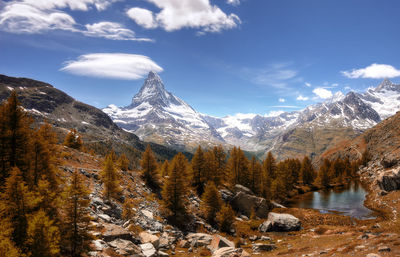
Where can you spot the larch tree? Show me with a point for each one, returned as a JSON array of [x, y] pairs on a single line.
[[256, 176], [123, 162], [211, 202], [165, 168], [225, 218], [220, 165], [73, 140], [76, 221], [110, 178], [269, 166], [174, 190], [238, 167], [43, 237], [198, 175], [323, 174], [307, 171], [150, 168]]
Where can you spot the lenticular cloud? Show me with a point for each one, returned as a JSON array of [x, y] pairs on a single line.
[[112, 65]]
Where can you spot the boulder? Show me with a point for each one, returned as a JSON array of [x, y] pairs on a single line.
[[199, 239], [226, 195], [113, 232], [125, 245], [230, 251], [219, 242], [245, 203], [280, 222], [389, 160], [239, 188], [148, 250], [146, 237], [390, 180], [263, 247], [184, 244], [147, 214], [98, 245]]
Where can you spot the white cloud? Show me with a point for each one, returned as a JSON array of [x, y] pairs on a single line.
[[322, 93], [275, 75], [142, 17], [308, 84], [233, 2], [374, 71], [178, 14], [302, 98], [40, 16], [111, 30], [335, 84], [112, 65], [281, 100]]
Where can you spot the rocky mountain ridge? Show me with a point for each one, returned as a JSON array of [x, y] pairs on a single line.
[[157, 115]]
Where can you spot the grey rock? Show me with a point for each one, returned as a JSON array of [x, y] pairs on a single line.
[[113, 232], [147, 237], [162, 254], [199, 239], [390, 180], [148, 250], [239, 188], [280, 222], [263, 247], [230, 251], [219, 242], [246, 203], [373, 255], [125, 245]]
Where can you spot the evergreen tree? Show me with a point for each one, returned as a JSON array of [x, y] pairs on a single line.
[[307, 171], [211, 202], [174, 190], [149, 168], [127, 211], [110, 178], [256, 176], [225, 218], [73, 140], [365, 157], [123, 162], [7, 246], [76, 221], [198, 171], [43, 237]]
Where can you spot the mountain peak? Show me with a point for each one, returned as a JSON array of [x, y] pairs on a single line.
[[385, 84], [152, 90]]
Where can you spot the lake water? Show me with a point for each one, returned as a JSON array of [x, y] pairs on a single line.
[[348, 201]]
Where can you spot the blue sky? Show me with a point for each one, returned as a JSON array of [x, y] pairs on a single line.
[[221, 56]]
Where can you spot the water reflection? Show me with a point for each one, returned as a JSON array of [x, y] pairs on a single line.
[[347, 200]]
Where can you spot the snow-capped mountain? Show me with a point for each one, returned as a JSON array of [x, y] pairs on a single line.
[[159, 116]]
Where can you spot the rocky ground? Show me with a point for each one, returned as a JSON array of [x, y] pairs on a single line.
[[303, 232]]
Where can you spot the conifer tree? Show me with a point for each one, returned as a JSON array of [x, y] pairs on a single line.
[[76, 221], [278, 189], [198, 171], [7, 246], [43, 237], [16, 203], [110, 178], [174, 190], [323, 173], [225, 218], [165, 168], [269, 166], [73, 140], [149, 168], [123, 162], [220, 165], [127, 212], [211, 202], [238, 167], [365, 157], [256, 176], [14, 138], [307, 171]]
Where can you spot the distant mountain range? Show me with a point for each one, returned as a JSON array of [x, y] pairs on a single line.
[[157, 115]]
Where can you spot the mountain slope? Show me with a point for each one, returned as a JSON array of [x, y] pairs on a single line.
[[45, 102], [158, 116]]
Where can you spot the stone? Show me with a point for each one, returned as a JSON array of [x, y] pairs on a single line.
[[199, 239], [113, 232], [280, 222], [98, 245], [263, 247], [253, 238], [148, 214], [162, 254], [125, 245], [389, 160], [240, 188], [373, 255], [229, 252], [184, 244], [219, 242], [226, 195], [146, 237], [390, 180], [265, 238], [104, 217], [148, 250], [384, 249], [246, 203]]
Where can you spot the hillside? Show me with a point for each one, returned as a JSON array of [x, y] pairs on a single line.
[[47, 103]]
